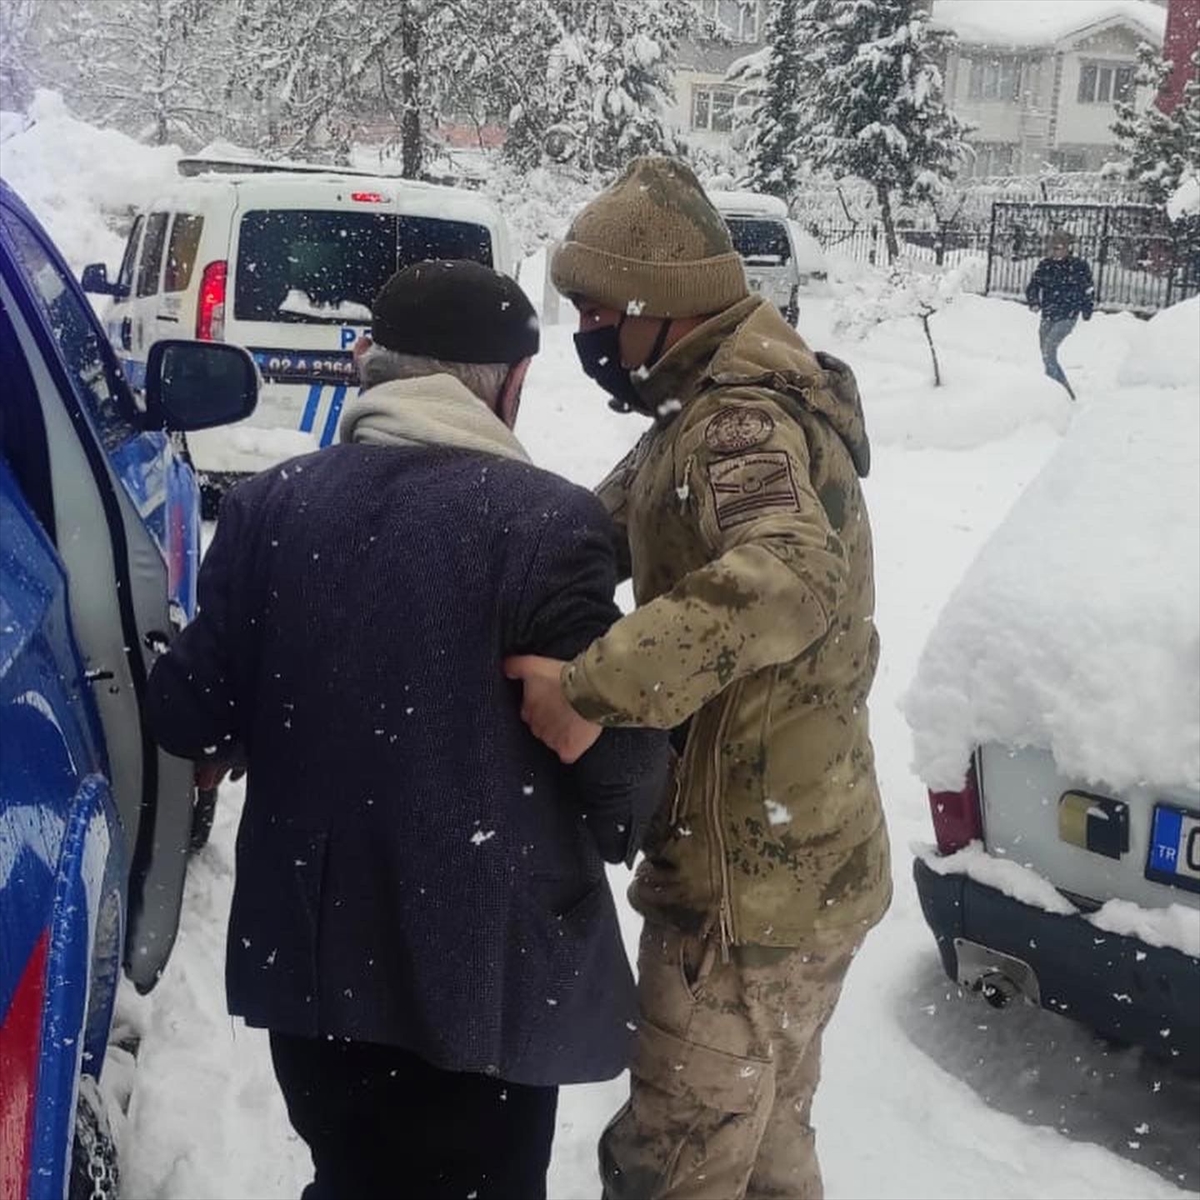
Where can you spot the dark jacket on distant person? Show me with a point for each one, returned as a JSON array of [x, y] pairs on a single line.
[[413, 867], [1062, 288]]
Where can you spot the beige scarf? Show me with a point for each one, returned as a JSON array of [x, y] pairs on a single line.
[[432, 410]]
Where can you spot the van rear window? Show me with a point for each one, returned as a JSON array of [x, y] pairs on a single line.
[[313, 267], [760, 242]]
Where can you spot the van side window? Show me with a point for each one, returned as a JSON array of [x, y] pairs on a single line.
[[125, 275], [182, 248], [152, 252]]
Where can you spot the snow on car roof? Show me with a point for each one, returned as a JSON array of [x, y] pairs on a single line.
[[1044, 22], [433, 199], [1077, 627], [748, 203]]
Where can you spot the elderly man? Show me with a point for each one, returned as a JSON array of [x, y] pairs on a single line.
[[754, 639], [420, 915]]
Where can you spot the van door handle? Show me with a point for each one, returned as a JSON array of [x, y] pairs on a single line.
[[126, 334]]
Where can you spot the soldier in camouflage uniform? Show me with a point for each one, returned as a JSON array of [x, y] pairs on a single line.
[[753, 638]]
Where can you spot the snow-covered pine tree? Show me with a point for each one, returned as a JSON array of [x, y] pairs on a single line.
[[881, 113], [609, 78], [1159, 149], [586, 83], [775, 123]]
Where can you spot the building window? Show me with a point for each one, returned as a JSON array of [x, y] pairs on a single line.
[[994, 79], [713, 106], [736, 20], [1069, 160], [1105, 83], [993, 158]]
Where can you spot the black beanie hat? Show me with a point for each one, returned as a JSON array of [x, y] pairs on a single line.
[[458, 311]]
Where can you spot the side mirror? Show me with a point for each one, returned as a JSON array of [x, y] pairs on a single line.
[[197, 385], [95, 279]]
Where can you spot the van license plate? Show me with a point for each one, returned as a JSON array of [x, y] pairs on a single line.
[[1175, 847]]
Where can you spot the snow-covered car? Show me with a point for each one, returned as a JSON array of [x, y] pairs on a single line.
[[99, 545], [1056, 721], [286, 262], [764, 237]]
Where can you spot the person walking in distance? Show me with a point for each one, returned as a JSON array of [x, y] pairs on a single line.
[[1062, 291]]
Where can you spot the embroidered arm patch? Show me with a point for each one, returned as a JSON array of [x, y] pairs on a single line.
[[747, 485]]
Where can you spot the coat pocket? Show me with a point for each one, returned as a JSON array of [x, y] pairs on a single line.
[[274, 925]]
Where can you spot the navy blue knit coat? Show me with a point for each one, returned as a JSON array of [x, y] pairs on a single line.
[[413, 867]]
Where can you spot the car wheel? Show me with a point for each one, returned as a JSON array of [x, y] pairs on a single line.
[[203, 809], [93, 1153]]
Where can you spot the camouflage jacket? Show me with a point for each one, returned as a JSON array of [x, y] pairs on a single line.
[[750, 551]]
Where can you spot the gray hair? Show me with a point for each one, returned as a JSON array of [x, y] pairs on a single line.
[[378, 364]]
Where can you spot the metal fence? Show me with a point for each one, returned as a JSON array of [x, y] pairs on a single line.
[[1141, 262]]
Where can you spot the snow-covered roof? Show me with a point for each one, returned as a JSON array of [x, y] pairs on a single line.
[[1077, 627], [748, 203], [1043, 22]]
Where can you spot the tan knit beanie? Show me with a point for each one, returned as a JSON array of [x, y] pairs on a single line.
[[651, 244]]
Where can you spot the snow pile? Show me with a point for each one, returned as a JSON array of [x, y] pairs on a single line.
[[1175, 926], [1077, 628], [1025, 23], [299, 303], [49, 157], [1185, 202], [992, 375], [1008, 877], [1165, 352]]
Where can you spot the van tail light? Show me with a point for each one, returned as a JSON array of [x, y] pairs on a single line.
[[20, 1050], [210, 315], [957, 816]]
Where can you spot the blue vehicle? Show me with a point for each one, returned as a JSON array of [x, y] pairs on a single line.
[[99, 546]]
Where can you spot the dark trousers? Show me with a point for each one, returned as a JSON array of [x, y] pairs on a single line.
[[1051, 334], [383, 1123]]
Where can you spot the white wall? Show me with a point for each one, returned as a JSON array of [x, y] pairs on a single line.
[[1089, 124]]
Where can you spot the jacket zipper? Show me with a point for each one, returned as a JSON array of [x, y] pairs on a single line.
[[724, 908]]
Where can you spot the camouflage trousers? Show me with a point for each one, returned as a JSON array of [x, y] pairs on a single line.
[[728, 1059]]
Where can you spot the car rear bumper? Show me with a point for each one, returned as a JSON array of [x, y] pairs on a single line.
[[1120, 986]]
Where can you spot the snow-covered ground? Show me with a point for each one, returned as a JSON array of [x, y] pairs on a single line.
[[926, 1093]]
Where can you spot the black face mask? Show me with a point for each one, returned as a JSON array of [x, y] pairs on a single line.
[[599, 353]]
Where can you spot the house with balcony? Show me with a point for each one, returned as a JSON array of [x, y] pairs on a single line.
[[1040, 81], [708, 106]]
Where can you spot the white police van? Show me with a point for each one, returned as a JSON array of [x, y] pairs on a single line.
[[286, 262]]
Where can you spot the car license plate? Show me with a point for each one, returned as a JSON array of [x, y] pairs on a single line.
[[1175, 847]]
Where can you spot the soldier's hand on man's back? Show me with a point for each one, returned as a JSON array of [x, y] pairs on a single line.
[[546, 709]]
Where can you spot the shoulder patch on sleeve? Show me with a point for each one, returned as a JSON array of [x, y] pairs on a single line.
[[734, 429], [750, 484]]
